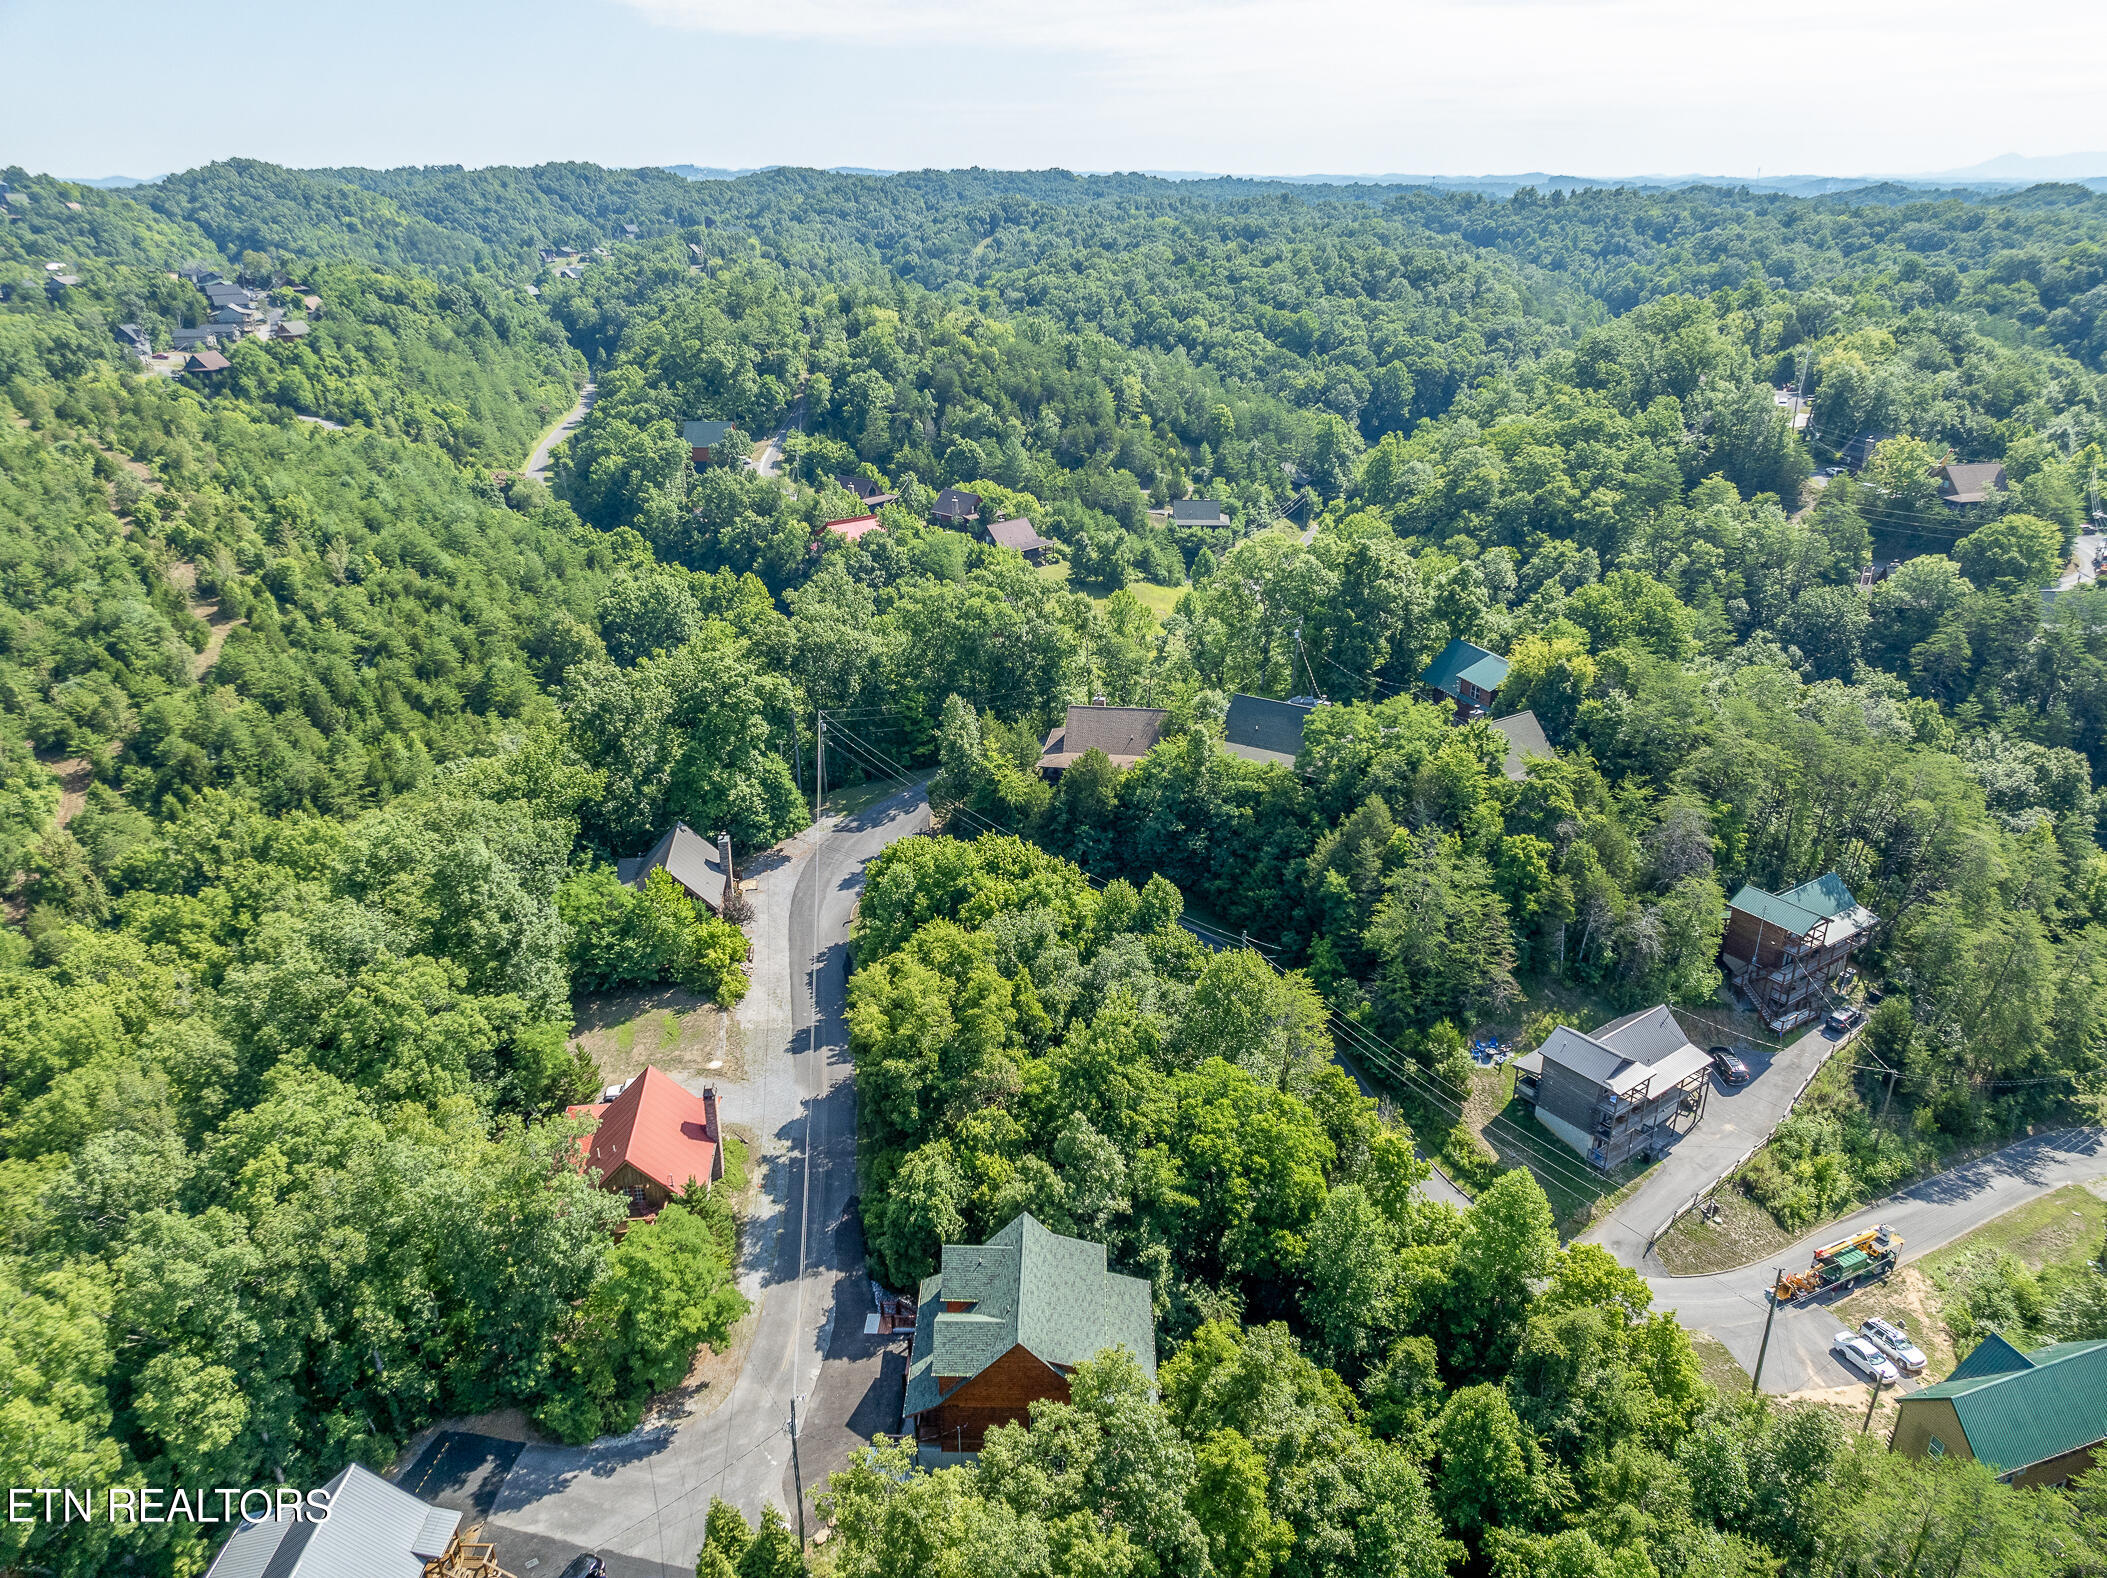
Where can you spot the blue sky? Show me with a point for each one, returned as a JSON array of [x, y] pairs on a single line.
[[1590, 87]]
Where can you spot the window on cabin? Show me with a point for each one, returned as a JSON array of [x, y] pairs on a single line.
[[1935, 1448]]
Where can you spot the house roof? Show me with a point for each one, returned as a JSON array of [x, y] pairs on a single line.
[[1992, 1356], [1026, 1286], [1197, 512], [957, 503], [688, 858], [866, 490], [1018, 534], [855, 527], [1626, 1053], [374, 1530], [2052, 1401], [1261, 730], [1126, 734], [1803, 910], [1525, 738], [657, 1126], [1461, 660], [703, 433], [1968, 482], [207, 362]]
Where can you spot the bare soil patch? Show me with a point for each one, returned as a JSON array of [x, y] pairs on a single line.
[[665, 1026]]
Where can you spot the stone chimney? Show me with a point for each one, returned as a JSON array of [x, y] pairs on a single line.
[[731, 883], [712, 1132]]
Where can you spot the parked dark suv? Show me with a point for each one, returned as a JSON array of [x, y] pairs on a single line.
[[584, 1567], [1731, 1068]]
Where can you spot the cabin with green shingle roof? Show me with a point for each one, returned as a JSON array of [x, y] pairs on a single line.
[[1001, 1325], [2037, 1418]]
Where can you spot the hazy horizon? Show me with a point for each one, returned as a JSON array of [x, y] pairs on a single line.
[[1595, 89]]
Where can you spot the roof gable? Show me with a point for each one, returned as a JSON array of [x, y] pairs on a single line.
[[1273, 729], [1126, 734], [1825, 896], [1626, 1053], [1026, 1287], [658, 1127], [1992, 1356], [687, 857], [1018, 534], [374, 1530], [2054, 1402], [1460, 660], [1969, 481], [1774, 910], [1525, 738]]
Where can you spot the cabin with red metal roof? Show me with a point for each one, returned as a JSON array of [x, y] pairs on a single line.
[[656, 1139]]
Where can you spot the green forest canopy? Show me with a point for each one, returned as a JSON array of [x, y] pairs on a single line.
[[363, 718]]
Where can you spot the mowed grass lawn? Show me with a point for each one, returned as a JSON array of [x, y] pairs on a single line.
[[1159, 600]]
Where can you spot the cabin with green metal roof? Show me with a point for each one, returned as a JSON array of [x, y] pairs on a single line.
[[1466, 674], [2037, 1418], [1780, 949], [1003, 1324]]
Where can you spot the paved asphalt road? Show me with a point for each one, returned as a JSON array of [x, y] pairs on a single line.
[[538, 462], [1731, 1304], [2087, 548], [645, 1495], [1736, 1118]]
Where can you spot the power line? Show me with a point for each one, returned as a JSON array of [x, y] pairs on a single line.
[[1353, 1038]]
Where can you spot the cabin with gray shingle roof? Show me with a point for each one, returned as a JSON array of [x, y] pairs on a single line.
[[689, 859], [1620, 1092], [1003, 1324], [1259, 729]]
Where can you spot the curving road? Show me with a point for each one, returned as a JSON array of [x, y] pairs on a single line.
[[1730, 1305], [538, 463], [645, 1495]]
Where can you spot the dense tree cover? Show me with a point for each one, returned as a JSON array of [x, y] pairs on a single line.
[[1488, 1401], [289, 990]]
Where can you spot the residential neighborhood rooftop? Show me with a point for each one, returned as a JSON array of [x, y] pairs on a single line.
[[1970, 482], [1025, 1287], [688, 858], [657, 1126], [1262, 730], [1126, 734], [2024, 1408], [374, 1530], [1463, 663], [1525, 738], [1021, 535]]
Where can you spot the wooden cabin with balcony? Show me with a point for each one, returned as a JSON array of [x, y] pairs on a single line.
[[655, 1140], [1003, 1324], [1627, 1090], [1782, 949]]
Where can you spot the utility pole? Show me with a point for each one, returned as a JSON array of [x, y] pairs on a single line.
[[1756, 1380], [1875, 1403], [797, 1483], [1884, 1100], [819, 761]]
